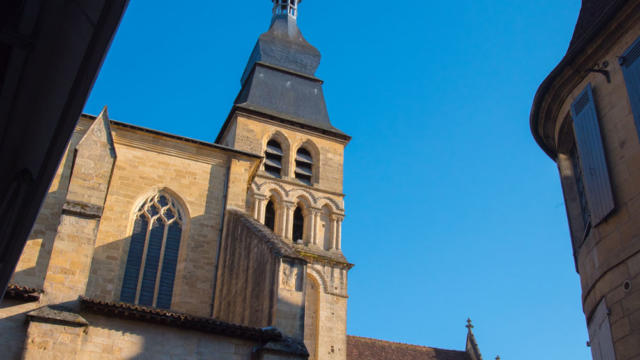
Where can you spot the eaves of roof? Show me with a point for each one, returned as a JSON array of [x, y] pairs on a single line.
[[180, 138], [594, 16], [180, 320], [23, 293]]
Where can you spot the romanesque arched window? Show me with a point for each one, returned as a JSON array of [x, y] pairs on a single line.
[[273, 158], [304, 166], [153, 253], [270, 216], [298, 224]]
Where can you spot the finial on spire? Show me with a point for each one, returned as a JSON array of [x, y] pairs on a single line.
[[469, 326], [286, 7]]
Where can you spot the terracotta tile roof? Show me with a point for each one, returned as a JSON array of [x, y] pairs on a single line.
[[269, 338], [359, 348], [276, 243], [165, 317], [23, 293]]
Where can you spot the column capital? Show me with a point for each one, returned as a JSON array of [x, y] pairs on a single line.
[[289, 204], [260, 197], [337, 217]]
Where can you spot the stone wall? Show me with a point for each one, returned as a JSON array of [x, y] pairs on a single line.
[[110, 338], [13, 327], [195, 176], [609, 259], [260, 278], [34, 261], [251, 134]]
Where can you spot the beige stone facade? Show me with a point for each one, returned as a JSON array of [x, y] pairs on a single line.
[[322, 203], [607, 253], [113, 172]]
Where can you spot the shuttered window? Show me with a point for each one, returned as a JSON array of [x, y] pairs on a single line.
[[273, 158], [600, 338], [592, 156], [304, 166], [153, 253], [631, 69]]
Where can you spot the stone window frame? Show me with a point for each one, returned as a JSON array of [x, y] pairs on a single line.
[[313, 150], [176, 202], [285, 145]]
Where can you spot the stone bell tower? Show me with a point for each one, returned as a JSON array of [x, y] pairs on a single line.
[[281, 113]]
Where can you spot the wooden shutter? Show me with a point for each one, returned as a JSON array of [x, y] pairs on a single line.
[[600, 334], [631, 69], [592, 156]]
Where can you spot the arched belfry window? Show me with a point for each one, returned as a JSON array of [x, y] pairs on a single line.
[[270, 216], [285, 7], [273, 158], [298, 224], [304, 166], [153, 253]]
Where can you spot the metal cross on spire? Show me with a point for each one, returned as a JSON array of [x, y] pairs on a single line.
[[469, 326]]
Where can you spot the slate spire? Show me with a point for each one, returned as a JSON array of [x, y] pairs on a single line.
[[279, 79]]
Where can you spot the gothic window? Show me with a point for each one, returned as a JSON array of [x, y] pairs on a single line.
[[153, 253], [298, 224], [273, 158], [304, 166], [270, 216]]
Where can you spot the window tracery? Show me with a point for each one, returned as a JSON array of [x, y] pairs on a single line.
[[153, 253]]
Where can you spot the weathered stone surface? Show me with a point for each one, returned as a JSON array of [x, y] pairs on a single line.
[[57, 316]]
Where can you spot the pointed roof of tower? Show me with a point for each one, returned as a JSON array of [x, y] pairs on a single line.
[[283, 45], [279, 80], [472, 346]]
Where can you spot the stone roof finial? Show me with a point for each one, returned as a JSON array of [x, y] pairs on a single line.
[[469, 325]]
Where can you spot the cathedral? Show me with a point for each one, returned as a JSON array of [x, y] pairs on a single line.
[[155, 246]]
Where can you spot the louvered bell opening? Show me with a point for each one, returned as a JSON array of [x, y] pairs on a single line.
[[304, 166], [285, 7], [273, 158]]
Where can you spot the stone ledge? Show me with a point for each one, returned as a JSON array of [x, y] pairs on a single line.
[[82, 209], [49, 315]]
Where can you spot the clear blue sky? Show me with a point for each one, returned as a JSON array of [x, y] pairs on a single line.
[[452, 209]]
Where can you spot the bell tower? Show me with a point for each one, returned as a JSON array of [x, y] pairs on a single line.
[[280, 113]]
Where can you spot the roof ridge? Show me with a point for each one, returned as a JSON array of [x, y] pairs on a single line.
[[401, 343]]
